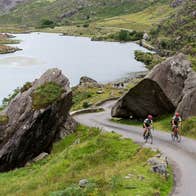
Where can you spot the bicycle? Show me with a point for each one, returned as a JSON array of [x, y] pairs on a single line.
[[148, 135], [175, 134]]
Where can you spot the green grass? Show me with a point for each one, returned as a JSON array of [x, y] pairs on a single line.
[[33, 12], [46, 95], [83, 96], [140, 21], [177, 32], [102, 158], [149, 59]]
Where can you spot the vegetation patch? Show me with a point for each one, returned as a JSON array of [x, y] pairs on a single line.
[[4, 119], [46, 94], [189, 127], [177, 32], [26, 87], [104, 159], [149, 59], [8, 99]]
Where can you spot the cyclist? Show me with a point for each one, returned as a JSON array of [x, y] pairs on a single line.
[[148, 123], [176, 122]]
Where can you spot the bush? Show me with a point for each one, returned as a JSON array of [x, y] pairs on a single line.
[[26, 86], [189, 127], [10, 97], [46, 95], [125, 35], [45, 23], [86, 104], [149, 59], [86, 25]]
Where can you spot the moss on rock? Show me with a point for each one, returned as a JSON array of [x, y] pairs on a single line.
[[46, 94], [4, 119]]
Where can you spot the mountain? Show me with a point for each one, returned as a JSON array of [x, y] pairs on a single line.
[[63, 12], [178, 31], [6, 5]]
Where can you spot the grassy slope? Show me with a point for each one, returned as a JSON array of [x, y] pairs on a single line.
[[140, 21], [31, 13], [103, 158], [177, 33], [90, 95]]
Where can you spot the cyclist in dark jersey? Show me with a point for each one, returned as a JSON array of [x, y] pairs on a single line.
[[147, 123], [176, 121]]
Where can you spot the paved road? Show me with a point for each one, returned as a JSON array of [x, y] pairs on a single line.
[[181, 155]]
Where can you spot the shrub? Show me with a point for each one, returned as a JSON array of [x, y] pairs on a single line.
[[26, 86], [86, 25], [45, 23], [149, 59], [10, 97], [46, 95], [86, 104], [124, 35], [189, 127]]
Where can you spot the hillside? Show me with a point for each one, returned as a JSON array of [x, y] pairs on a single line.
[[178, 32], [112, 165], [6, 5], [63, 12]]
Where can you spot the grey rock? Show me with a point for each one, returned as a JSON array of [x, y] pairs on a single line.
[[88, 82], [40, 157], [83, 183], [145, 98], [187, 106], [169, 86], [159, 164], [68, 127], [176, 3], [30, 132]]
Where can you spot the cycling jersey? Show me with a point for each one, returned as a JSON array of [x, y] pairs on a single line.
[[148, 122], [176, 120]]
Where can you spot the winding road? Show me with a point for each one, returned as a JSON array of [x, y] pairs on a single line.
[[182, 155]]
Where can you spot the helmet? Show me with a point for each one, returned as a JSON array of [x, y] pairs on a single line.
[[150, 117], [177, 114]]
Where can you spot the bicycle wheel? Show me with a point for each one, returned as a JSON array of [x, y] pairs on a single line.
[[172, 136], [178, 139], [151, 138]]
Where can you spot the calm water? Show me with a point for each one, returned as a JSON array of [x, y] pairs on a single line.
[[76, 56]]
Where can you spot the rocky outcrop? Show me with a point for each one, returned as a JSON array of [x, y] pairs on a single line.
[[176, 3], [187, 106], [159, 164], [68, 127], [168, 87], [29, 131], [88, 82]]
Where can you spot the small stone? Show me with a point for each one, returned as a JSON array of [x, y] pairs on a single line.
[[83, 182], [40, 157], [100, 92]]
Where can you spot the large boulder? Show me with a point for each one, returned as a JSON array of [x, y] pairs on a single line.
[[169, 86], [145, 98], [187, 106], [29, 129], [88, 82]]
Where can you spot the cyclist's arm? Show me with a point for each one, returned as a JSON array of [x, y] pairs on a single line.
[[145, 125], [173, 122]]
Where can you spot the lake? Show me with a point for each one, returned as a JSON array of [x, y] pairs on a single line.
[[75, 56]]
